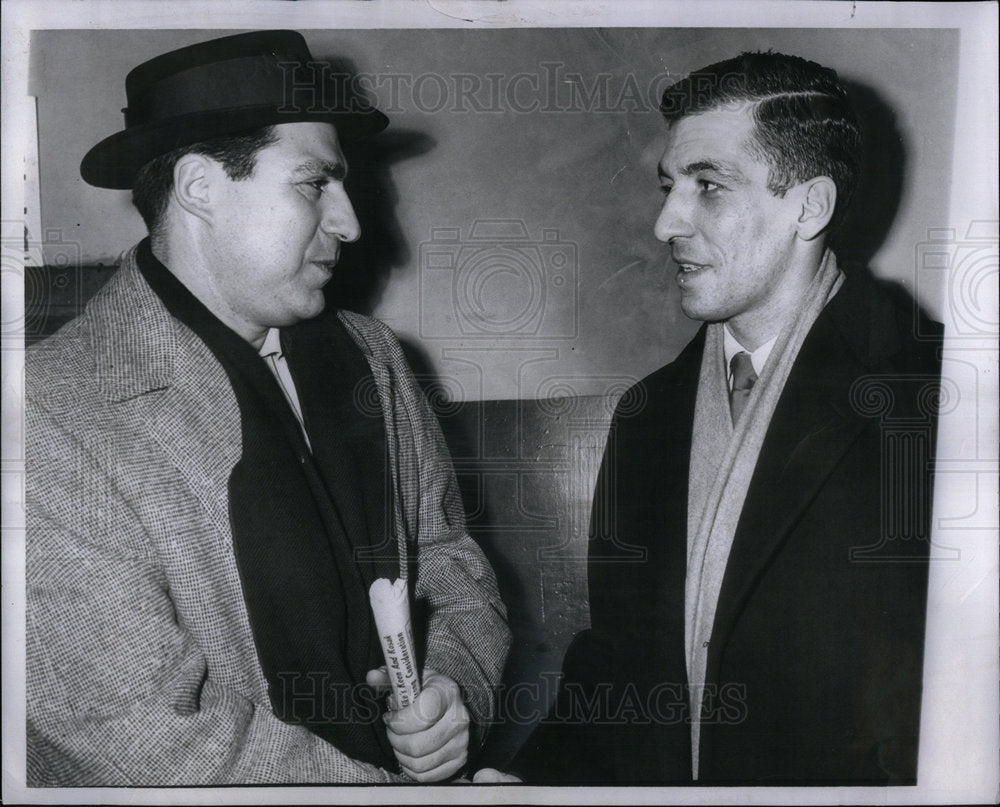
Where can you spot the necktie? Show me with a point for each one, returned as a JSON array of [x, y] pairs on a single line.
[[743, 381]]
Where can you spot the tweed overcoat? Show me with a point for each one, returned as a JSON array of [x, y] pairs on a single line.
[[815, 657], [141, 665]]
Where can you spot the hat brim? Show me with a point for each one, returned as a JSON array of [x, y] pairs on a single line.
[[115, 161]]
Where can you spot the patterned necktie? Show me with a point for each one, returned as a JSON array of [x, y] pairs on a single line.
[[743, 381]]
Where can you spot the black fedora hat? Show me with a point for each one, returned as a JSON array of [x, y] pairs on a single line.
[[224, 87]]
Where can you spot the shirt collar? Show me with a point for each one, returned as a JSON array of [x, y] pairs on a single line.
[[272, 344], [758, 357]]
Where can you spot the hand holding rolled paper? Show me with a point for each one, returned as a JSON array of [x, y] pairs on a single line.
[[429, 734], [391, 608]]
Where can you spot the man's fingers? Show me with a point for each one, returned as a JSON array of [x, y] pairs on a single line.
[[437, 775], [378, 678], [426, 710], [453, 756], [491, 776], [454, 723], [454, 751], [430, 737]]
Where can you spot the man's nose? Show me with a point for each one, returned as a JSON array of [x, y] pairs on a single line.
[[339, 218], [675, 218]]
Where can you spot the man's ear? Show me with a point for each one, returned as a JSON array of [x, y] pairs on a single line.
[[816, 199], [193, 175]]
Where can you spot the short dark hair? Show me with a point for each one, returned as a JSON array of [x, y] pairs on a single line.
[[155, 180], [804, 125]]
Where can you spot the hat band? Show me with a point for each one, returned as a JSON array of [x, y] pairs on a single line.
[[249, 81]]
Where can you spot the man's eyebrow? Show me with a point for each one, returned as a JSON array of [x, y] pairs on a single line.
[[334, 169], [721, 169]]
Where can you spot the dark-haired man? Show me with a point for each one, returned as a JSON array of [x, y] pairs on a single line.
[[758, 566], [219, 473]]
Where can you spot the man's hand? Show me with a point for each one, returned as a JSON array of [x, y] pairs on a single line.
[[491, 776], [430, 737]]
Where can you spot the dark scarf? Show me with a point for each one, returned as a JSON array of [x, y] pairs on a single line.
[[301, 520]]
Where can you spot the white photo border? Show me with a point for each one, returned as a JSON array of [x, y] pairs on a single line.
[[961, 720]]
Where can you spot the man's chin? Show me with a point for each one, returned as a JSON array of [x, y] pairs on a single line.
[[314, 304], [305, 310], [701, 313]]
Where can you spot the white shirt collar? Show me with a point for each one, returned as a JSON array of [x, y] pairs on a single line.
[[758, 357], [272, 344]]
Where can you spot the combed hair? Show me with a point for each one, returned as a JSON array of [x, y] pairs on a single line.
[[155, 180], [804, 127]]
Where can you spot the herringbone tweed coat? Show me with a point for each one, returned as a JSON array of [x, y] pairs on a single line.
[[141, 665]]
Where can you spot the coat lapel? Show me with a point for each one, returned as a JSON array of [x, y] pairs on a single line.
[[670, 550], [196, 422], [169, 378], [638, 542], [813, 425]]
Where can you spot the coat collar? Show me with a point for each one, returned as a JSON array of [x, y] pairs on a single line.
[[156, 367], [133, 337], [135, 341], [865, 319]]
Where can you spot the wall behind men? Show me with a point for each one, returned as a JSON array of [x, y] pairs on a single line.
[[508, 209]]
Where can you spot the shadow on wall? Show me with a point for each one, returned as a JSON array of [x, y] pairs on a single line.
[[877, 198], [365, 266], [526, 470]]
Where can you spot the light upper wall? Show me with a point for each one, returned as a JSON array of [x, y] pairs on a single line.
[[505, 125]]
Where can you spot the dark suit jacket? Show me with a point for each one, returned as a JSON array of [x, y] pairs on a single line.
[[814, 667]]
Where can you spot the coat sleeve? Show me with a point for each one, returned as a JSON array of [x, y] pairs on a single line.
[[467, 637], [119, 693]]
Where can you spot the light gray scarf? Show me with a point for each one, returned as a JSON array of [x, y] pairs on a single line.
[[723, 458]]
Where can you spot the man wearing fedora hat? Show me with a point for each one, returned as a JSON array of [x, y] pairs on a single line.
[[219, 470]]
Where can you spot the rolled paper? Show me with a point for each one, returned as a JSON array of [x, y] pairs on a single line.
[[391, 608]]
